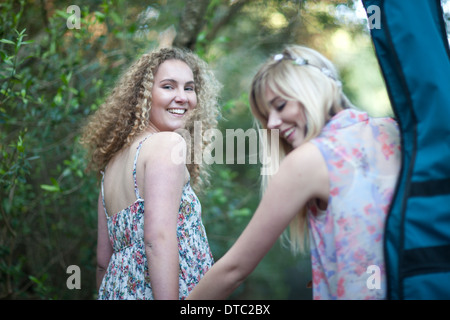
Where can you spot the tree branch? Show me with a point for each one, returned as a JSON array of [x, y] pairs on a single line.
[[232, 11], [191, 23]]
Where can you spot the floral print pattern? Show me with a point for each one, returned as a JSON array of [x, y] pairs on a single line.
[[363, 160], [127, 276]]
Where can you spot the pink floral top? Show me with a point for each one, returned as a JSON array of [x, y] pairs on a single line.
[[127, 276], [346, 240]]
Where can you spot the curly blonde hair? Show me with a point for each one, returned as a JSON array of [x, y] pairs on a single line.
[[125, 113]]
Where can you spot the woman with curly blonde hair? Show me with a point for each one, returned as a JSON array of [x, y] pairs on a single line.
[[160, 250]]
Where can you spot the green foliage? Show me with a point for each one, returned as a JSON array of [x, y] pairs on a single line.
[[48, 216]]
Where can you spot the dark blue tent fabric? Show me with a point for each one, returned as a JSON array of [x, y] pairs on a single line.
[[412, 48]]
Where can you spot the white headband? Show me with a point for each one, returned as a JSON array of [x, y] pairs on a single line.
[[304, 62]]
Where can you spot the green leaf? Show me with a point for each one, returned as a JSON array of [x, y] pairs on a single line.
[[58, 99], [243, 212], [8, 41], [116, 18], [35, 280], [100, 16], [50, 188]]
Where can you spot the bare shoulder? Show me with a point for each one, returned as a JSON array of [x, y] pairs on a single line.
[[306, 163], [307, 154], [166, 139], [165, 146]]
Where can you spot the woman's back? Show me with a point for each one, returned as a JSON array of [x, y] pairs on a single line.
[[363, 161], [127, 276]]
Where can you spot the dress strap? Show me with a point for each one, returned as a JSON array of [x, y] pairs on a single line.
[[103, 192], [138, 149]]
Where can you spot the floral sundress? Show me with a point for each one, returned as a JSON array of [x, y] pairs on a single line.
[[127, 276], [363, 157]]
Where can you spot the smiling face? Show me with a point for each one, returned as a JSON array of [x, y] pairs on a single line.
[[173, 96], [288, 116]]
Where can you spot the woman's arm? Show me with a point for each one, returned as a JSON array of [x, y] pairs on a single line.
[[104, 248], [164, 180], [302, 175]]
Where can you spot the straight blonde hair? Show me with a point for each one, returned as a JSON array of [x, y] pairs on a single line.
[[304, 75]]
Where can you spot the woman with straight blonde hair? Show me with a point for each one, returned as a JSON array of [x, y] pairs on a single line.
[[333, 187], [158, 250]]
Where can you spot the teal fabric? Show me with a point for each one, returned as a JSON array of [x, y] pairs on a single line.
[[413, 52]]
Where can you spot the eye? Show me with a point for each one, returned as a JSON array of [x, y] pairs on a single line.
[[280, 106], [167, 86], [189, 86]]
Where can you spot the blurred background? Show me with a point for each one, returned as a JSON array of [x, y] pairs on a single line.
[[55, 71]]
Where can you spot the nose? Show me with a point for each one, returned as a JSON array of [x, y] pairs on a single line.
[[274, 120], [181, 97]]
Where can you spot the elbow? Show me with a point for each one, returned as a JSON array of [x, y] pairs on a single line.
[[240, 275], [157, 247], [102, 261], [101, 268], [159, 241], [235, 274], [148, 246]]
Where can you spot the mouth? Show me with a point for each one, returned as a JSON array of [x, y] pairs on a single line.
[[177, 111], [287, 134]]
